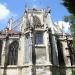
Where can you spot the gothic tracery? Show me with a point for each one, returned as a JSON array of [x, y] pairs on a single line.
[[36, 22], [13, 53]]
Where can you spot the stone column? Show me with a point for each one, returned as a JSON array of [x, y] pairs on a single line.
[[54, 51], [2, 55], [48, 49], [30, 46], [48, 52], [3, 52], [20, 54], [21, 50], [66, 58], [66, 54]]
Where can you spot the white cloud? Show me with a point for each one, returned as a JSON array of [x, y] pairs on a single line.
[[4, 12], [63, 24]]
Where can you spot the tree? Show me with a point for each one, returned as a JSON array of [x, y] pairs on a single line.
[[71, 20], [70, 5]]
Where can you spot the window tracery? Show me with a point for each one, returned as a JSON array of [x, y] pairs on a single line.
[[39, 38], [13, 53], [36, 22]]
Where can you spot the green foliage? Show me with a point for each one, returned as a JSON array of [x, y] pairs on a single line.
[[71, 20], [70, 5], [73, 72]]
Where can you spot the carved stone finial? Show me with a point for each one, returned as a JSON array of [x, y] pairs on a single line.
[[26, 10], [10, 22], [49, 10]]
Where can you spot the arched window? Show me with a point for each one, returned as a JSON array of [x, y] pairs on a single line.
[[36, 22], [0, 50], [13, 53], [39, 38]]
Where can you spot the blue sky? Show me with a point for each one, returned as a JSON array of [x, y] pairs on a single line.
[[15, 8]]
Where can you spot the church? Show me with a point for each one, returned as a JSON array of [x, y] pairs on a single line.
[[34, 45]]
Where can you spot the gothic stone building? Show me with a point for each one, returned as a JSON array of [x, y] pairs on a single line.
[[33, 45]]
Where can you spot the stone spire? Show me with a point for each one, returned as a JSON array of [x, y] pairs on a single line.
[[10, 22]]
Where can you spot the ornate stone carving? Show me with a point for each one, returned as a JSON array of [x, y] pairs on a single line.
[[37, 22]]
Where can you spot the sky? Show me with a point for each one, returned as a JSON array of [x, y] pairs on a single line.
[[15, 8]]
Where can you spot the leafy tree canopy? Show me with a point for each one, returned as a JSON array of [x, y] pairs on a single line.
[[70, 5], [71, 20]]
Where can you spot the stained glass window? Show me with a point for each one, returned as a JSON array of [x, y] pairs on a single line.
[[39, 38], [13, 53]]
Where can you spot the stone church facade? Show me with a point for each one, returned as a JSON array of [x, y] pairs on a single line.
[[33, 45]]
